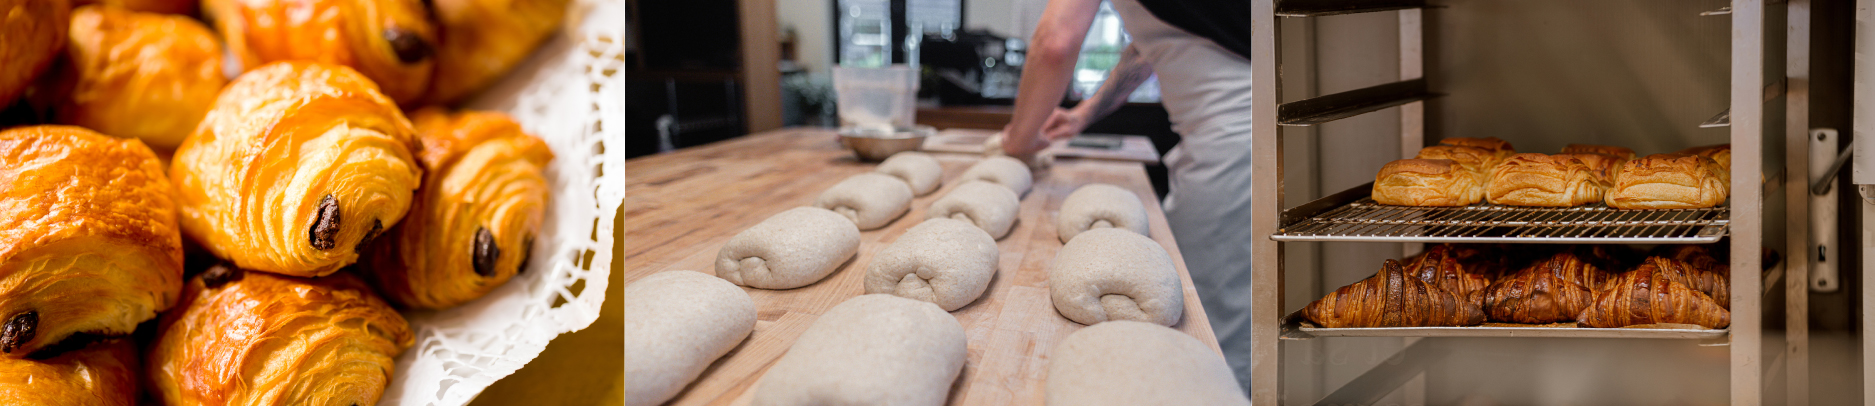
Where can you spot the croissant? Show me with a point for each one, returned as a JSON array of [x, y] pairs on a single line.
[[298, 166], [1392, 298], [1440, 266], [162, 70], [242, 338], [1669, 181], [1550, 291], [103, 374], [1648, 295], [482, 39], [1714, 284], [88, 237], [1543, 180], [471, 228], [31, 34], [390, 41]]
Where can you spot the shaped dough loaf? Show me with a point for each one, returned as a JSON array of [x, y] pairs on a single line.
[[1100, 205], [1112, 274], [676, 324], [870, 200], [942, 261], [870, 350], [1134, 363], [1002, 170], [989, 206], [919, 170], [789, 250]]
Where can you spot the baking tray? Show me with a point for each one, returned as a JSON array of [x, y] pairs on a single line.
[[1352, 215]]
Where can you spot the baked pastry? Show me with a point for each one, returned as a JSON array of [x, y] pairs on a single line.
[[483, 39], [1543, 180], [1713, 284], [183, 7], [1100, 205], [31, 34], [1002, 170], [942, 261], [1498, 147], [1427, 182], [102, 374], [1604, 166], [870, 200], [1550, 291], [1721, 154], [90, 243], [1111, 274], [1132, 363], [1648, 295], [1614, 151], [162, 71], [1441, 267], [472, 227], [1477, 160], [676, 324], [1669, 181], [989, 206], [788, 250], [390, 41], [298, 165], [869, 350], [919, 170], [242, 337], [1392, 298]]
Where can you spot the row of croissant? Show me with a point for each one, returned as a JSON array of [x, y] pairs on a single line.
[[1466, 171], [1601, 286]]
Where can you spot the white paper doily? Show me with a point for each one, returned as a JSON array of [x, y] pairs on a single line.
[[571, 93]]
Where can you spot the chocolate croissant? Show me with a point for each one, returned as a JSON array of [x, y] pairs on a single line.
[[90, 243], [31, 34], [1550, 291], [1669, 181], [102, 374], [1543, 180], [140, 75], [1392, 298], [483, 39], [296, 168], [1441, 266], [241, 338], [390, 41], [1705, 279], [1648, 295], [472, 225]]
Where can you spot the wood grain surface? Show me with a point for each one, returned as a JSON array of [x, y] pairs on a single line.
[[681, 207]]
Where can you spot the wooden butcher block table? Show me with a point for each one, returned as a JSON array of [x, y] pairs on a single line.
[[681, 207]]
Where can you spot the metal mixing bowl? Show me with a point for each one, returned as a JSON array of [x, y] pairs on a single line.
[[875, 145]]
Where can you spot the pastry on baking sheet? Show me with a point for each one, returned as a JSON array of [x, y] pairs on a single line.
[[1532, 179], [1669, 181], [392, 42], [1721, 153], [1622, 152], [31, 34], [1427, 182], [1477, 160], [1500, 148], [297, 166], [140, 75], [1649, 295], [483, 39], [100, 374], [1548, 291]]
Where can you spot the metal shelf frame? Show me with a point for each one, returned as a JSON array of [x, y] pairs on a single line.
[[1352, 216]]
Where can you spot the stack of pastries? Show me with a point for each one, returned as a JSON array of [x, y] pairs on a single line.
[[1601, 286], [324, 178], [1467, 171]]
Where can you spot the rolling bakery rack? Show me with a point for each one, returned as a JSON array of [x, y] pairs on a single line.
[[1761, 72]]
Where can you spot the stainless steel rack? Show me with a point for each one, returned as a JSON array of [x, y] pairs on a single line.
[[1353, 216]]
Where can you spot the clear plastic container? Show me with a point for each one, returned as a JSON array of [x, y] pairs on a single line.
[[877, 98]]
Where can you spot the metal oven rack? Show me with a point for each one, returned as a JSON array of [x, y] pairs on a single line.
[[1757, 78]]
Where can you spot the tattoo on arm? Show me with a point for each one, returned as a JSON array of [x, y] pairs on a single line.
[[1127, 75]]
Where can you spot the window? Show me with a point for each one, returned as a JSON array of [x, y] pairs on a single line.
[[1100, 52], [871, 34]]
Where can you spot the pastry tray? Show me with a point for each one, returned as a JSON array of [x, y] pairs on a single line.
[[1297, 329], [1353, 216]]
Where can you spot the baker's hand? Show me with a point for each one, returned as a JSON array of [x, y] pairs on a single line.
[[1026, 148], [1064, 124]]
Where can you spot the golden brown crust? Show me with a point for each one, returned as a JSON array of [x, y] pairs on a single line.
[[390, 41], [485, 177], [1721, 154], [88, 236], [140, 75], [1604, 165], [31, 34], [1550, 291], [1477, 160], [486, 38], [1647, 295], [102, 374], [183, 7], [1532, 179], [1442, 266], [1669, 181], [1620, 152], [241, 338], [1426, 182], [1499, 148], [1392, 298], [297, 165], [1715, 284]]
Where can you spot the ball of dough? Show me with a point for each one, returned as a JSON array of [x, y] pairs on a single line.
[[989, 206], [942, 261], [1100, 205], [994, 145], [869, 350], [870, 200], [676, 324], [1134, 363], [1002, 170], [789, 250], [919, 170], [1112, 274]]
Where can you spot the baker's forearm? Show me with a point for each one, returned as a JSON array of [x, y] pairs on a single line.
[[1127, 75], [1048, 70]]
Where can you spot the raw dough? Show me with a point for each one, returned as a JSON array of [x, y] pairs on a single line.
[[994, 145], [870, 200], [676, 324], [989, 206], [942, 261], [1002, 170], [1100, 205], [789, 250], [919, 170], [869, 350], [1134, 363], [1112, 274]]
